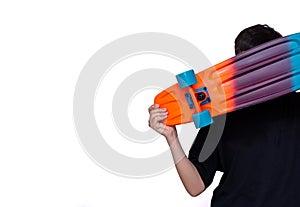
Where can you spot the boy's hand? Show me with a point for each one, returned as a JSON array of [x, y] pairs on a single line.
[[156, 122]]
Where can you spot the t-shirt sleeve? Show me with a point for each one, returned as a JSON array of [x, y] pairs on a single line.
[[207, 168]]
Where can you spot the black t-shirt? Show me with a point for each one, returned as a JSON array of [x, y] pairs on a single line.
[[259, 155]]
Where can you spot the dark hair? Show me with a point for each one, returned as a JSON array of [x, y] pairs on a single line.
[[254, 36]]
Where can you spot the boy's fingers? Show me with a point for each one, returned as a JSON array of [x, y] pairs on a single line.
[[157, 118], [160, 118], [158, 111], [152, 107]]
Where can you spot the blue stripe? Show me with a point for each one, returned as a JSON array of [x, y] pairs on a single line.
[[295, 59]]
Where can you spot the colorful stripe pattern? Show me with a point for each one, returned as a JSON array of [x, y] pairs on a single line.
[[261, 74]]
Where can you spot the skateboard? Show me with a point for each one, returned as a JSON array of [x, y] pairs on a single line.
[[257, 75]]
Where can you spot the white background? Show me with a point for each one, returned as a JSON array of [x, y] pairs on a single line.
[[43, 48]]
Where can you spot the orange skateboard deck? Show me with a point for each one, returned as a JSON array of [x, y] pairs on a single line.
[[255, 76]]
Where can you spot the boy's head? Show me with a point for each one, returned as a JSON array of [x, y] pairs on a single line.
[[254, 36]]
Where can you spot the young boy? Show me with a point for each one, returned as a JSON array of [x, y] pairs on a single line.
[[258, 152]]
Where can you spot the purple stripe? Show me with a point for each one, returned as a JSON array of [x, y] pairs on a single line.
[[262, 74]]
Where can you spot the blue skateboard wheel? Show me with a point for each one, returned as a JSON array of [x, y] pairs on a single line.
[[202, 119], [186, 79]]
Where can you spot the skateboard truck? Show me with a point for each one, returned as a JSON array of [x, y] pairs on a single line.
[[202, 96], [195, 98]]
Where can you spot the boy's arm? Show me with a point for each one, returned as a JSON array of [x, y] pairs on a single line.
[[187, 172]]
